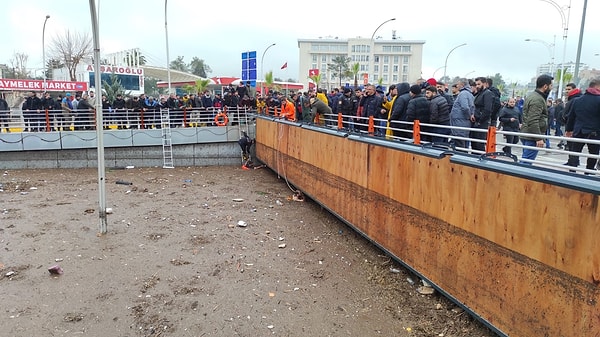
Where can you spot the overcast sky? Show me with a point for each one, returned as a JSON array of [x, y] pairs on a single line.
[[219, 31]]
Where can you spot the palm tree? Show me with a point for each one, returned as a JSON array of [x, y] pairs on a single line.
[[355, 69], [316, 79], [268, 81]]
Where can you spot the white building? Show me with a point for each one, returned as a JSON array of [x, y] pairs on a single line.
[[392, 61]]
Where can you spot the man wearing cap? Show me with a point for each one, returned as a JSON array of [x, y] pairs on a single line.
[[67, 108]]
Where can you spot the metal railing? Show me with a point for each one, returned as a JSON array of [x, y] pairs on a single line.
[[78, 120], [492, 140]]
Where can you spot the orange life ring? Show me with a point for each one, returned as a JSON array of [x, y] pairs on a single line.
[[223, 121]]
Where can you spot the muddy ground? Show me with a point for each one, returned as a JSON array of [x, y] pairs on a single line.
[[198, 251]]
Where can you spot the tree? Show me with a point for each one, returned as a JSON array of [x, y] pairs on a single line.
[[198, 87], [113, 87], [71, 49], [151, 87], [316, 79], [268, 81], [199, 68], [18, 66], [179, 64], [339, 67], [355, 69]]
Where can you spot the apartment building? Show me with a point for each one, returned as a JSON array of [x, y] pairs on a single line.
[[381, 61]]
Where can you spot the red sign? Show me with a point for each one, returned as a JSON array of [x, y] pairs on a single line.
[[313, 72], [118, 70], [365, 79], [37, 85]]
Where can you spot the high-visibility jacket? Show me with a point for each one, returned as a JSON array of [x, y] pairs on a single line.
[[288, 110]]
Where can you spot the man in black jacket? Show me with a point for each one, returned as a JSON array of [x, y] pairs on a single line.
[[484, 101], [584, 123]]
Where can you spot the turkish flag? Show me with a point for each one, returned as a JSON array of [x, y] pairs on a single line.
[[284, 66], [313, 72]]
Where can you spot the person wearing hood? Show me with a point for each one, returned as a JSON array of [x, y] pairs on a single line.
[[584, 123], [398, 112], [460, 113], [535, 118], [347, 105]]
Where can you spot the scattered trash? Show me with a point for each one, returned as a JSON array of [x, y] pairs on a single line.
[[425, 290], [24, 193], [279, 203], [58, 260], [122, 182], [238, 199], [410, 281], [129, 167], [55, 270], [242, 223], [298, 196], [394, 270], [282, 245], [10, 273], [109, 210], [188, 180], [33, 188]]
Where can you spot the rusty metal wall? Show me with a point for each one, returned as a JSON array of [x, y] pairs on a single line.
[[519, 248]]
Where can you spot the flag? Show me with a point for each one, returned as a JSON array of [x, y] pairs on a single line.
[[284, 66]]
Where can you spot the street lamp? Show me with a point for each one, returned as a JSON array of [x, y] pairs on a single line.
[[450, 52], [262, 75], [565, 25], [438, 69], [167, 45], [373, 42], [469, 73], [551, 50], [44, 51]]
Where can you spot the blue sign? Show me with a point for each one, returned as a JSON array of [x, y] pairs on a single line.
[[249, 67]]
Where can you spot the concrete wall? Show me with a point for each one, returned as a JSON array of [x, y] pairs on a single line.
[[202, 146]]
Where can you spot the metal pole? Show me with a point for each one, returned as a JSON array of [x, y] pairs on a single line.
[[262, 75], [551, 51], [167, 45], [99, 121], [373, 43], [450, 52], [578, 58], [565, 26], [44, 52]]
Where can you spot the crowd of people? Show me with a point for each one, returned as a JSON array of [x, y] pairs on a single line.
[[458, 114]]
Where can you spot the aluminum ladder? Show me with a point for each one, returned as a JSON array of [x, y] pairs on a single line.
[[165, 126]]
